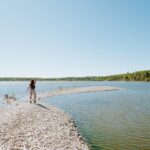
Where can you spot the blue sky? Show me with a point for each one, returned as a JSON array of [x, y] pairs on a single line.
[[57, 38]]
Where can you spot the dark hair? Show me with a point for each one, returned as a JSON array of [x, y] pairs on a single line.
[[32, 82]]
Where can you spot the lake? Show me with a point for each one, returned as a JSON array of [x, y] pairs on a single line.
[[117, 120]]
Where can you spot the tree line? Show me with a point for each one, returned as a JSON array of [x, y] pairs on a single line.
[[135, 76]]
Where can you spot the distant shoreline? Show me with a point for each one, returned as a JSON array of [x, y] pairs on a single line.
[[135, 76], [70, 81]]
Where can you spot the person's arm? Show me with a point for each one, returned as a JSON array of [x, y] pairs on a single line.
[[28, 88]]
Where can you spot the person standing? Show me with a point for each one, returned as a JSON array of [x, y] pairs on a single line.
[[32, 91]]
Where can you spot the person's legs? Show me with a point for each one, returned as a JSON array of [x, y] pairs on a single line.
[[34, 96], [30, 96]]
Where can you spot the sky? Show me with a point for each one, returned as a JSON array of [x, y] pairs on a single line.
[[61, 38]]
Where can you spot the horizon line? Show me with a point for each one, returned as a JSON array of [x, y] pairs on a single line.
[[29, 77]]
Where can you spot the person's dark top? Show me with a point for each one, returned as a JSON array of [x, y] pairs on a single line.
[[32, 86]]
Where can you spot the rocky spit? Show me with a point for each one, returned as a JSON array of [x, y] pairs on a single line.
[[38, 127], [75, 90]]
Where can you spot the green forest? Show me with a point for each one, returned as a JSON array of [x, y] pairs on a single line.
[[135, 76]]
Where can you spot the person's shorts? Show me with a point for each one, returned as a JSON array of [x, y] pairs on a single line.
[[32, 91]]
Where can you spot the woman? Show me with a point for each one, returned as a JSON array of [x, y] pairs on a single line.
[[32, 91]]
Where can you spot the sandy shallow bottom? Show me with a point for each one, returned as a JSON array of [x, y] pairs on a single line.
[[63, 91]]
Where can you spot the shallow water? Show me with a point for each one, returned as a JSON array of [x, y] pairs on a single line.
[[107, 120]]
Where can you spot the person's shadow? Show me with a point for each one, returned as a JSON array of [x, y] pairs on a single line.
[[40, 105]]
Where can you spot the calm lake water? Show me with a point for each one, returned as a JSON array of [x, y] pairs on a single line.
[[117, 120]]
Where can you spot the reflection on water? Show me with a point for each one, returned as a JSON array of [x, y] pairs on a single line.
[[107, 120]]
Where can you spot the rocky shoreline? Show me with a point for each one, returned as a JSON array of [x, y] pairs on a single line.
[[38, 127]]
